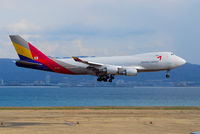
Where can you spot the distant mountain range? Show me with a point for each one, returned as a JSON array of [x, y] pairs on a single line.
[[10, 74]]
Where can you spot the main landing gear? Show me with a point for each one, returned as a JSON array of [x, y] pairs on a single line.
[[167, 75], [106, 78]]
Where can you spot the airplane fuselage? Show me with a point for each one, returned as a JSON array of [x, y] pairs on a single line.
[[103, 67], [146, 62]]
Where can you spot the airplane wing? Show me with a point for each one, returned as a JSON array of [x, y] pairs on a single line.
[[98, 67], [103, 69], [88, 62]]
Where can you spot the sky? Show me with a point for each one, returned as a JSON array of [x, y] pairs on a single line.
[[64, 28]]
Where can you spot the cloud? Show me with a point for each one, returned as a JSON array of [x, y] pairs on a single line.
[[31, 36], [23, 25], [64, 48], [73, 48], [7, 50], [103, 27], [77, 45]]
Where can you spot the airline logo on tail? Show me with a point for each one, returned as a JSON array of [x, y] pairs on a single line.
[[36, 58]]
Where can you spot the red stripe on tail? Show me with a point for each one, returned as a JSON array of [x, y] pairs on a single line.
[[42, 58]]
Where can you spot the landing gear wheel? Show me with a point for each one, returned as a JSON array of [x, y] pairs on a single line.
[[99, 79], [167, 75], [105, 78], [111, 77]]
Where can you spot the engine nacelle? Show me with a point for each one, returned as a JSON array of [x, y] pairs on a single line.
[[111, 69], [129, 71]]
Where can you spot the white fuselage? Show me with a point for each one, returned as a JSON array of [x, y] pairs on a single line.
[[105, 68], [156, 61]]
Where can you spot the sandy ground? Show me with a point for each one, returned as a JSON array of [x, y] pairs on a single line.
[[99, 121]]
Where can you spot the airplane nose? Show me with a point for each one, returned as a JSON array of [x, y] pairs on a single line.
[[181, 61], [177, 61]]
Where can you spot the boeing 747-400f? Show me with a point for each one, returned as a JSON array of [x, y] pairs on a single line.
[[105, 68]]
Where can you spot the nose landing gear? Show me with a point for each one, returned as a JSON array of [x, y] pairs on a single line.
[[167, 75]]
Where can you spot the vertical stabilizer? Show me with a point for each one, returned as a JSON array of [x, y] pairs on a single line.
[[22, 48], [31, 57]]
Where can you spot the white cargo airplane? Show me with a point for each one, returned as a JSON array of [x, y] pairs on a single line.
[[103, 67]]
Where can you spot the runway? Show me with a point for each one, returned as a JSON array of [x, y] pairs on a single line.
[[100, 120]]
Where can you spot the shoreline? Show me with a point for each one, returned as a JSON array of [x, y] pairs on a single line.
[[57, 86], [106, 108], [29, 86]]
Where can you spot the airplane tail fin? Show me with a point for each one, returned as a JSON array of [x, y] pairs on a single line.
[[31, 57], [27, 52], [22, 48]]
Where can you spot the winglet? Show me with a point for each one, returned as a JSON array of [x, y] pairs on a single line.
[[77, 59]]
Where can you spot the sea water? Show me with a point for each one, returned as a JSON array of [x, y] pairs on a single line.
[[99, 96]]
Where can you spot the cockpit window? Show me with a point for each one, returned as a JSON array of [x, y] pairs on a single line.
[[172, 53]]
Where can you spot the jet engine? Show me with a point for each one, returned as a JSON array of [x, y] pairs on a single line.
[[111, 69], [128, 71]]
